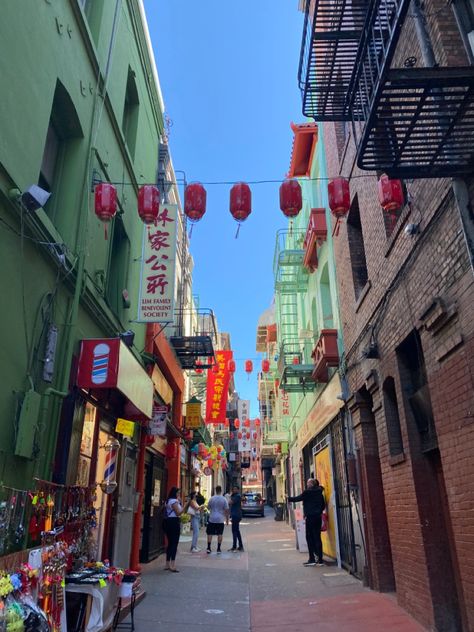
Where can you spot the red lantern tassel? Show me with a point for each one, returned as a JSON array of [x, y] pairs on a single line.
[[237, 233], [105, 232]]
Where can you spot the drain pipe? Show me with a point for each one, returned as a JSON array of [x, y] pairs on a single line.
[[459, 186]]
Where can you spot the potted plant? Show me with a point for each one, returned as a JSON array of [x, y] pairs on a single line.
[[185, 523]]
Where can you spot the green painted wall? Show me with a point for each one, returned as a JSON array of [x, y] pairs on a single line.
[[44, 42]]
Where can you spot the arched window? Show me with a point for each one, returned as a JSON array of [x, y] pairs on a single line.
[[326, 302], [392, 418]]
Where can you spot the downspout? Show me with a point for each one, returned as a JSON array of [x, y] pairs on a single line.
[[459, 186]]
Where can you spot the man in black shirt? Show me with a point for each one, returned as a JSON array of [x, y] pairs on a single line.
[[313, 507]]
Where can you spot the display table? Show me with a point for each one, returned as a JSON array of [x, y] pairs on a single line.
[[102, 604]]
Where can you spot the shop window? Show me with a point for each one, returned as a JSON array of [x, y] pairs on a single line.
[[392, 418], [356, 248], [60, 149], [118, 267], [130, 113], [84, 470]]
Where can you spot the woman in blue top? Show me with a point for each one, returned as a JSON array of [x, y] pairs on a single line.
[[172, 527]]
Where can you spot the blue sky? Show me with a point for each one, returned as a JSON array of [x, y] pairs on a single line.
[[228, 73]]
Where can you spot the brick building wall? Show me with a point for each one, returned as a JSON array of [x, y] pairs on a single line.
[[419, 507]]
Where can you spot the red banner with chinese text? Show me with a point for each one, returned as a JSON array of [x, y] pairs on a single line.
[[218, 389]]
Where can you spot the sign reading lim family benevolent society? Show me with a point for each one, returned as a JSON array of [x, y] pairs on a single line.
[[156, 300]]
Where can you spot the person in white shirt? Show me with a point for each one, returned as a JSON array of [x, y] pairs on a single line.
[[219, 514], [194, 510], [172, 527]]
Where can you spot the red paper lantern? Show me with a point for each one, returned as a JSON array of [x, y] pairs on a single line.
[[236, 423], [265, 366], [148, 203], [105, 202], [257, 423], [291, 201], [226, 423], [339, 197], [239, 436], [391, 195], [195, 201], [240, 201], [296, 360], [248, 366], [248, 435], [197, 368], [254, 435], [247, 423], [231, 366]]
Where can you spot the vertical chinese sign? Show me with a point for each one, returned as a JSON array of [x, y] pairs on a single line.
[[156, 299], [218, 389]]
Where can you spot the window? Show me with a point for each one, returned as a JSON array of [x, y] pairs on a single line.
[[60, 147], [356, 248], [93, 10], [416, 393], [118, 267], [392, 419], [130, 113]]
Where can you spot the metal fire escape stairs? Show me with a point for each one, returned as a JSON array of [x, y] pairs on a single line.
[[291, 279], [412, 122]]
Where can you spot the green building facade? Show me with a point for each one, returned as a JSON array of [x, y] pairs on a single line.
[[80, 104]]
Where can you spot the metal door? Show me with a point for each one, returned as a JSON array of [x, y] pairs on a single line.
[[343, 499], [125, 509]]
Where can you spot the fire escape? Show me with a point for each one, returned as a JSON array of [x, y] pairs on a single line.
[[291, 279], [409, 122], [194, 338]]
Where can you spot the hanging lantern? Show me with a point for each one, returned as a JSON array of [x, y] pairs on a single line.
[[148, 203], [291, 201], [248, 366], [195, 201], [391, 195], [339, 199], [248, 435], [236, 423], [240, 201], [239, 436], [105, 202], [296, 360], [247, 423], [231, 366], [226, 423], [254, 435], [171, 451], [197, 368], [265, 366], [257, 423], [109, 484]]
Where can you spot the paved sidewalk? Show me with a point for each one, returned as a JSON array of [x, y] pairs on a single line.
[[264, 589]]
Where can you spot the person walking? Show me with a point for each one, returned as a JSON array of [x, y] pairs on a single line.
[[236, 517], [172, 527], [313, 507], [194, 510], [219, 514]]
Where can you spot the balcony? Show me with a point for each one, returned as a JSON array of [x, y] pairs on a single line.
[[295, 366], [325, 355], [290, 277], [194, 338], [316, 235], [408, 122]]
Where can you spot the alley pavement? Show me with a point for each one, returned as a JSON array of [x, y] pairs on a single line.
[[264, 589]]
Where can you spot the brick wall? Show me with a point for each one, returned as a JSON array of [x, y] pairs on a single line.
[[405, 277]]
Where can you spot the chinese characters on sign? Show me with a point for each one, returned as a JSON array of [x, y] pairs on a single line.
[[158, 420], [193, 414], [284, 403], [156, 300], [217, 389], [243, 409]]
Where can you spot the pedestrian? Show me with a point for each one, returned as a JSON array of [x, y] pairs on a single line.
[[194, 510], [199, 497], [172, 527], [219, 514], [313, 507], [236, 517]]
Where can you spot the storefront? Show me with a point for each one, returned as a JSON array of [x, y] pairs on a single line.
[[115, 396]]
